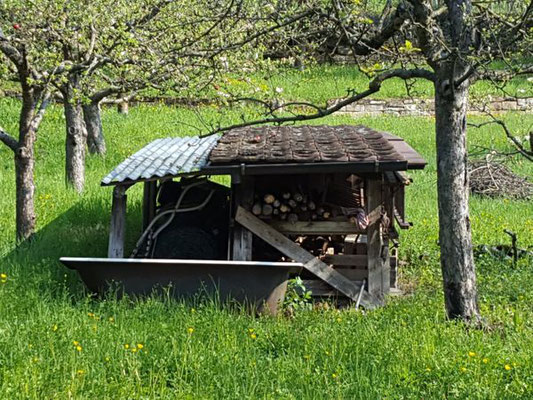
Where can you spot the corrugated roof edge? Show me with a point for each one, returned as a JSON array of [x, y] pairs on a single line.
[[163, 157]]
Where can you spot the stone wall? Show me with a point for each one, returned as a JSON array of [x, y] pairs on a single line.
[[403, 107]]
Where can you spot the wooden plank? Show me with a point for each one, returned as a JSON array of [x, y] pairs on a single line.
[[377, 271], [319, 288], [351, 260], [117, 230], [242, 238], [315, 227], [297, 253]]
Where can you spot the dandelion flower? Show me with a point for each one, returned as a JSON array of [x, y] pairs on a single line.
[[463, 369], [90, 314], [253, 336], [190, 330], [75, 343], [54, 328], [80, 372], [140, 346], [3, 277], [334, 376], [485, 360], [307, 356], [126, 346], [107, 359], [471, 354], [78, 348], [111, 319], [134, 350], [507, 367]]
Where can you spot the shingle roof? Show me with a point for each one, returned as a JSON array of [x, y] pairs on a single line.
[[304, 144], [164, 157]]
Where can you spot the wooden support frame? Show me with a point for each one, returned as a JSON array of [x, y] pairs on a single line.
[[149, 202], [117, 229], [243, 196], [377, 249], [311, 263]]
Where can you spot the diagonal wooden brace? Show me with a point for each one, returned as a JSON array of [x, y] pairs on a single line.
[[310, 262]]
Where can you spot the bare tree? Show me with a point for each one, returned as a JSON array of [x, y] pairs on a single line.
[[35, 97]]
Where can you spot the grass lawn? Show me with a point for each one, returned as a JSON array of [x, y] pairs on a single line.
[[58, 342]]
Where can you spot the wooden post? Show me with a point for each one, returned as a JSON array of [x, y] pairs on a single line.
[[149, 202], [243, 196], [117, 229], [378, 270]]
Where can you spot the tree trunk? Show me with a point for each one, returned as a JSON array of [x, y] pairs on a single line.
[[25, 191], [93, 123], [457, 261], [76, 136]]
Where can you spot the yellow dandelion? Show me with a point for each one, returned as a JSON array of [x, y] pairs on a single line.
[[90, 314], [307, 356], [193, 310], [140, 346], [250, 330], [190, 330], [78, 348], [471, 354], [334, 376], [80, 372], [107, 359], [134, 350], [54, 328], [253, 336], [3, 276], [111, 319], [339, 319], [463, 369], [428, 369], [507, 367], [75, 343], [126, 346], [485, 360]]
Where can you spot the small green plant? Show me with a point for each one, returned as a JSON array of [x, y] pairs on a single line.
[[297, 298]]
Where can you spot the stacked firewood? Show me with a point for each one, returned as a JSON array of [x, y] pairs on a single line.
[[290, 206]]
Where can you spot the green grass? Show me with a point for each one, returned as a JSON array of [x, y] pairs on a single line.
[[405, 350]]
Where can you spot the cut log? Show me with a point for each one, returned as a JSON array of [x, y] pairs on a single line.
[[257, 209], [311, 263], [267, 210], [269, 198]]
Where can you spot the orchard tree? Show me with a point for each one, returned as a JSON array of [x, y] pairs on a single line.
[[450, 43]]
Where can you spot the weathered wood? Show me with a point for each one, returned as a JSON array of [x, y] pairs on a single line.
[[149, 202], [242, 238], [297, 253], [315, 227], [377, 271], [320, 288], [117, 230], [352, 260]]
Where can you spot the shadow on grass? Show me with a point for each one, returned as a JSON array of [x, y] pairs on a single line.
[[81, 231]]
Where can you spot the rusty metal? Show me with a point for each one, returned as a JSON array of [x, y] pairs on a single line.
[[261, 285]]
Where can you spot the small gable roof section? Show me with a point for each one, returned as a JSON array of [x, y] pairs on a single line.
[[163, 157], [303, 147]]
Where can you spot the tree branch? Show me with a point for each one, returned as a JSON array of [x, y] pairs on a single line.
[[373, 87], [8, 140]]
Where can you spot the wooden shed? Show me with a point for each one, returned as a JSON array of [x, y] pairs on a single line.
[[325, 198]]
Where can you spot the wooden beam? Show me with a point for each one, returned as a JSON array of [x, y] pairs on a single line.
[[297, 253], [351, 260], [378, 270], [243, 196], [315, 227], [117, 230]]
